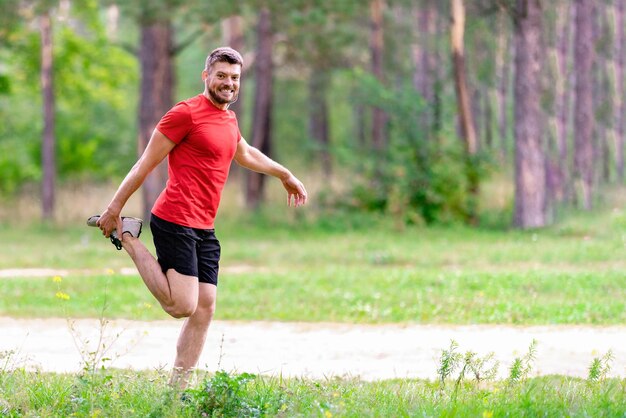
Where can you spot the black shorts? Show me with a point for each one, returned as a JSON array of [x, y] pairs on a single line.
[[189, 251]]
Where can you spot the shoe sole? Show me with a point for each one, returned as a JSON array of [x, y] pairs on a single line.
[[93, 221]]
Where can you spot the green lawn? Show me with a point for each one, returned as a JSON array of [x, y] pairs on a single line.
[[146, 394], [571, 273]]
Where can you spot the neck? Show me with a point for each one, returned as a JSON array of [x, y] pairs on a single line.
[[222, 106]]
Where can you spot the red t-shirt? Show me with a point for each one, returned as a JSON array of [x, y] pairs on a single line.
[[206, 140]]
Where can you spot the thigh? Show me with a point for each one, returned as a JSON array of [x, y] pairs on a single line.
[[184, 290], [209, 252]]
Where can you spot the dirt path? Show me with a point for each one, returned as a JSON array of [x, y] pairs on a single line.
[[313, 350]]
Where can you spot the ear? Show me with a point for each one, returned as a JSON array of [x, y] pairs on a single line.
[[205, 75]]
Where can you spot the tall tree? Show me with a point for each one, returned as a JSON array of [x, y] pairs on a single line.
[[565, 16], [156, 94], [48, 159], [319, 128], [530, 167], [232, 34], [320, 38], [376, 52], [424, 56], [466, 121], [156, 53], [503, 70], [262, 113], [583, 108], [618, 63]]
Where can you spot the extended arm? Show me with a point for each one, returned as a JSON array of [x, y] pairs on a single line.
[[157, 149], [253, 159]]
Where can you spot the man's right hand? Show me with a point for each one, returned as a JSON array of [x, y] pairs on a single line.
[[110, 222]]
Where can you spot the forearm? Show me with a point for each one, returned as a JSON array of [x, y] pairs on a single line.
[[255, 160], [133, 180], [157, 149]]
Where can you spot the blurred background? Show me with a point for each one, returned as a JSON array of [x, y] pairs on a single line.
[[488, 112]]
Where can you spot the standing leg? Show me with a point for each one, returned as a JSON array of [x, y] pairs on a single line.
[[193, 335]]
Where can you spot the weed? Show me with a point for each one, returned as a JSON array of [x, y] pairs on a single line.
[[7, 360], [600, 367], [94, 357], [482, 368], [223, 395], [521, 367], [448, 362]]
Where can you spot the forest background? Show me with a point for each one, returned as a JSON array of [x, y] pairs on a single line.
[[408, 109]]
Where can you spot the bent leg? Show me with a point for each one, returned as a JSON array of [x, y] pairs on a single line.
[[193, 335], [177, 293]]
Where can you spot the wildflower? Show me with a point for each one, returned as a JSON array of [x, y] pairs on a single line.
[[62, 295], [110, 271], [328, 414], [147, 305], [57, 279], [487, 414]]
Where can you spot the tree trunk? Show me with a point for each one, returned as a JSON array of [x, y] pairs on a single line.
[[112, 22], [318, 116], [488, 121], [563, 98], [619, 87], [423, 52], [439, 55], [583, 109], [530, 163], [602, 104], [262, 117], [48, 159], [503, 65], [466, 121], [376, 52], [156, 98], [232, 28]]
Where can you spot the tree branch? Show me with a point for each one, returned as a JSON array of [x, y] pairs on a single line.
[[185, 43]]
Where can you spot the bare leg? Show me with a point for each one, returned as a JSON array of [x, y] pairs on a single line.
[[193, 335], [177, 293]]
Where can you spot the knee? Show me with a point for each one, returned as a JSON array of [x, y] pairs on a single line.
[[205, 312], [180, 310]]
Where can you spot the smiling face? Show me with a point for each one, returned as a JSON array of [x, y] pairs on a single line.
[[221, 82]]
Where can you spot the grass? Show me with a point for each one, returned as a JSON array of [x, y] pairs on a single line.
[[146, 394], [285, 266], [568, 274]]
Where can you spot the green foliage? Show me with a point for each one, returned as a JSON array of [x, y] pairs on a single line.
[[94, 110], [225, 395], [146, 394], [600, 367], [93, 81], [482, 368], [521, 367], [417, 178]]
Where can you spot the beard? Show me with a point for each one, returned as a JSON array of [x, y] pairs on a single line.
[[217, 98]]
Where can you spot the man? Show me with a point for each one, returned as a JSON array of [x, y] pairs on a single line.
[[200, 137]]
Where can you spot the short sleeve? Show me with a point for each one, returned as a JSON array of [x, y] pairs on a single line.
[[176, 123], [234, 116]]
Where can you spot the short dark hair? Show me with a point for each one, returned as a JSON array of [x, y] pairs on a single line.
[[223, 54]]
